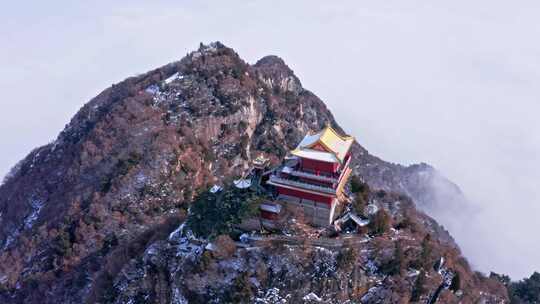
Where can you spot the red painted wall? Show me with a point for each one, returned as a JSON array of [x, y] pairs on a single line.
[[315, 165], [269, 215], [305, 195]]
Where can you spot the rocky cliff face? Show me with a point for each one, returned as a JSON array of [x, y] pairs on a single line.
[[91, 212]]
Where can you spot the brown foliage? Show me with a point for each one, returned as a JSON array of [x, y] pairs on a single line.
[[128, 249], [225, 247]]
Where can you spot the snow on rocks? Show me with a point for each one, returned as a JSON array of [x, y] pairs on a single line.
[[181, 232], [173, 77], [255, 282], [180, 239], [178, 297], [158, 95], [231, 268], [371, 267], [177, 233], [371, 295], [312, 297], [36, 205], [206, 49], [163, 93], [188, 250], [10, 239], [152, 89], [271, 296], [324, 263], [287, 264], [152, 254], [235, 264]]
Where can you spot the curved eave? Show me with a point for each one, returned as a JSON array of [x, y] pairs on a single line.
[[306, 154]]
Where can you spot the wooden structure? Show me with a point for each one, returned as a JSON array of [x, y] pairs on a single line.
[[314, 174]]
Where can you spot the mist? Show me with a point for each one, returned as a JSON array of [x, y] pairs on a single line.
[[455, 85]]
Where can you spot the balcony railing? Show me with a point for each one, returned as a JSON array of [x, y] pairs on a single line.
[[300, 184], [318, 175], [314, 176]]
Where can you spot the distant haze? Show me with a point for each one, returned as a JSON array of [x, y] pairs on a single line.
[[455, 85]]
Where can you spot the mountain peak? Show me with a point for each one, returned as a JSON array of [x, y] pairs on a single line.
[[273, 61], [130, 163], [277, 74]]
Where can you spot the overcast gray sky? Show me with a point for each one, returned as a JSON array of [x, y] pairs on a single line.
[[455, 85]]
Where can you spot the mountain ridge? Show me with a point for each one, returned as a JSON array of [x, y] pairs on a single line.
[[132, 159]]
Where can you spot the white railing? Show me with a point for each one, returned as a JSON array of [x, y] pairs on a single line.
[[313, 176], [321, 177], [284, 181]]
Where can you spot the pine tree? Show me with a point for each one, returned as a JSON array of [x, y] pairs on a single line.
[[419, 287], [456, 282], [426, 255], [242, 290], [347, 257], [359, 204], [359, 187], [397, 263], [379, 223]]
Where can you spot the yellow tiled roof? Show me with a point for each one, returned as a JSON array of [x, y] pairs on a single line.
[[335, 143]]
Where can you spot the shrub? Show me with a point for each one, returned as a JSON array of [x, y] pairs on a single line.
[[62, 244], [358, 186], [379, 223], [106, 184], [244, 143], [504, 279], [225, 247], [346, 258], [213, 214], [124, 165], [242, 125], [359, 204], [526, 290], [109, 243], [407, 223], [242, 292], [125, 251]]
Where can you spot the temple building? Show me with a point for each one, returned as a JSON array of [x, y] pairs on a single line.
[[313, 175]]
